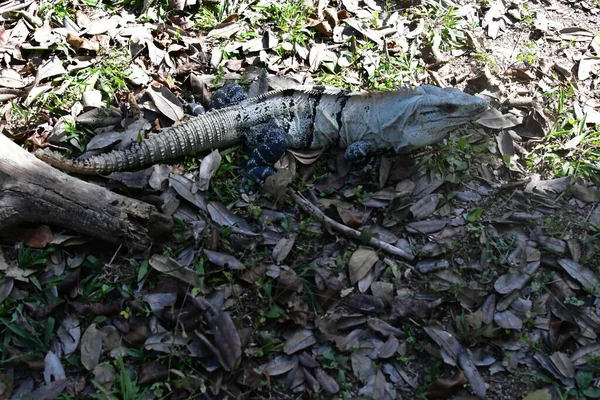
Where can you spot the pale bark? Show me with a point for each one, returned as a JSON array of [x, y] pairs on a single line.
[[32, 191]]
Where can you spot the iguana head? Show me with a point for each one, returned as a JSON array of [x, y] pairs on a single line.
[[436, 111]]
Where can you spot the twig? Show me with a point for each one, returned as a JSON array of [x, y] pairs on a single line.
[[353, 233]]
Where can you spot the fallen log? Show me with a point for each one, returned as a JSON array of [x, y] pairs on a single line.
[[31, 191]]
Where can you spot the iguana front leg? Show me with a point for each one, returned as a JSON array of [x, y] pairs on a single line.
[[360, 152]]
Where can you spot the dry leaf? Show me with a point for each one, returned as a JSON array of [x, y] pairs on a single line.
[[91, 347], [227, 340], [208, 168], [171, 267], [283, 248], [224, 260], [166, 102], [494, 119], [300, 340], [11, 79], [361, 262]]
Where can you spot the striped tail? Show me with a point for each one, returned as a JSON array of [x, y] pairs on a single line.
[[212, 130]]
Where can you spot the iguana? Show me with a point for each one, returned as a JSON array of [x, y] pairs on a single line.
[[303, 117]]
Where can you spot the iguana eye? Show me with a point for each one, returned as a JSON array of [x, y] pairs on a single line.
[[448, 108]]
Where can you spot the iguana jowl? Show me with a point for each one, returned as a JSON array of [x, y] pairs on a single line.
[[304, 117]]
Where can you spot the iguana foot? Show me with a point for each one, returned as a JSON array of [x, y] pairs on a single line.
[[262, 158], [360, 152], [230, 94]]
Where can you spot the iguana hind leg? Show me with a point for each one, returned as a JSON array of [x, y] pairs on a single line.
[[268, 141]]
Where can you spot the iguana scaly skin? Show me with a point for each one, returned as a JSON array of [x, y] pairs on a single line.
[[305, 117]]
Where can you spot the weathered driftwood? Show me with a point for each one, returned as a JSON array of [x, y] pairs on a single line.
[[33, 192]]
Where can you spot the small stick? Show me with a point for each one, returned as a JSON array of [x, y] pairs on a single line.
[[353, 233]]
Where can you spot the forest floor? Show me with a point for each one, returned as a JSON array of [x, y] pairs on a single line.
[[495, 296]]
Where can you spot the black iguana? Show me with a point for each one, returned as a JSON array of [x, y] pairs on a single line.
[[304, 117]]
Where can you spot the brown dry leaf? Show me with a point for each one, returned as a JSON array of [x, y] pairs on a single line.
[[52, 67], [12, 40], [91, 347], [361, 262], [287, 283], [316, 56], [426, 206], [166, 102], [362, 367], [185, 188], [224, 260], [103, 25], [371, 34], [49, 391], [253, 275], [584, 193], [280, 365], [384, 328], [378, 388], [350, 217], [542, 394], [366, 304], [515, 281], [6, 288], [307, 157], [158, 301], [505, 143], [576, 33], [493, 19], [384, 291], [100, 117], [222, 216], [105, 139], [450, 347], [276, 185], [585, 276], [494, 119], [11, 79], [465, 362], [444, 387], [508, 320], [404, 308], [208, 168], [329, 287], [104, 374], [389, 348], [133, 180], [53, 369], [327, 382], [427, 226], [169, 266], [300, 340], [151, 372], [69, 334], [588, 66], [584, 353], [77, 42], [563, 364], [37, 238], [7, 387], [283, 248], [44, 35], [227, 340], [225, 30], [92, 98]]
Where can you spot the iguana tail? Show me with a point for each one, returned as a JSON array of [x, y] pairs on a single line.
[[212, 130]]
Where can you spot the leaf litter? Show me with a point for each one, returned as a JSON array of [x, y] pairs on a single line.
[[499, 255]]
